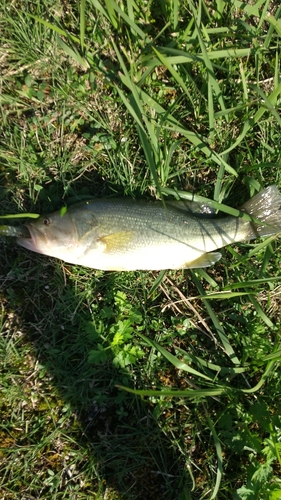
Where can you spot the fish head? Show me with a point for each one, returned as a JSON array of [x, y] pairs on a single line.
[[50, 234]]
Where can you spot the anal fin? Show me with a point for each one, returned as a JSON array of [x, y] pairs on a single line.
[[205, 260]]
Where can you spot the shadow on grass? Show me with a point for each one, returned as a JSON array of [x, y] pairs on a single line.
[[79, 435]]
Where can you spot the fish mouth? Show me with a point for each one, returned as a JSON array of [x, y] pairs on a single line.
[[27, 239]]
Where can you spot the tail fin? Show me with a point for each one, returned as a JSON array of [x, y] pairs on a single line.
[[266, 207]]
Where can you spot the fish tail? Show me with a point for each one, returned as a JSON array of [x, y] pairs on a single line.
[[266, 208]]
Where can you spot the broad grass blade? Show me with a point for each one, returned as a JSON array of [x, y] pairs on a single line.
[[180, 365], [219, 455], [218, 326], [82, 25], [189, 393], [20, 216]]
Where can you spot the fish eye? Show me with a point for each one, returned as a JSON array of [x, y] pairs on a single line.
[[46, 221]]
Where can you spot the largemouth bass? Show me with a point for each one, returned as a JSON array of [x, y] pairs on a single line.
[[126, 235]]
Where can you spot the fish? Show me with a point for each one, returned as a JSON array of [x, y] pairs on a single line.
[[121, 234]]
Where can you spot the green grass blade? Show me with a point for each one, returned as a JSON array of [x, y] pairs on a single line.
[[131, 4], [251, 10], [73, 53], [269, 253], [222, 295], [260, 312], [131, 109], [272, 98], [110, 7], [82, 25], [97, 5], [277, 66], [175, 14], [207, 277], [257, 248], [150, 158], [269, 369], [145, 128], [213, 204], [219, 457], [174, 73], [157, 282], [130, 22], [211, 112], [139, 110], [20, 216], [211, 366], [148, 147], [126, 80], [211, 74], [181, 57], [218, 326], [110, 14], [194, 138], [189, 393], [274, 356], [264, 13], [55, 28], [269, 102], [251, 283], [242, 135], [180, 365], [275, 23], [199, 142], [270, 32]]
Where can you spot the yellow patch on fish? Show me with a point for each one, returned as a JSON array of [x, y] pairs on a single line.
[[116, 242]]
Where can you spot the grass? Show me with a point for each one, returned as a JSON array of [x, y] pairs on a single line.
[[139, 385]]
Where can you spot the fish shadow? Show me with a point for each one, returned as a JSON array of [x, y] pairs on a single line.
[[122, 442]]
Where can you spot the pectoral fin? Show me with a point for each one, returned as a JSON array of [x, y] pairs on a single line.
[[205, 260], [117, 242]]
